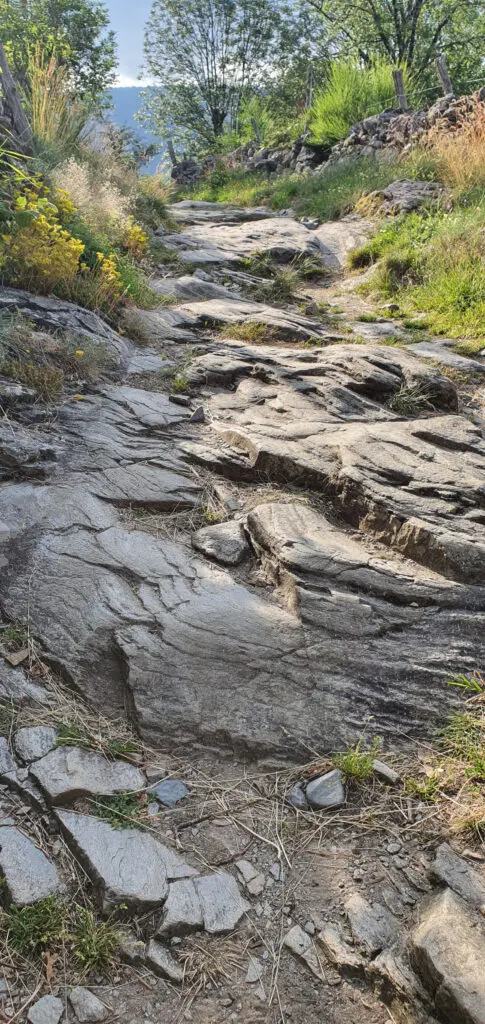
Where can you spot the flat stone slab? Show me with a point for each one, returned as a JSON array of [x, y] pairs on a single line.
[[301, 945], [34, 742], [454, 871], [224, 542], [221, 902], [326, 791], [127, 866], [170, 791], [27, 874], [162, 962], [182, 911], [87, 1006], [372, 926], [448, 953], [67, 773], [47, 1010], [197, 211], [14, 684]]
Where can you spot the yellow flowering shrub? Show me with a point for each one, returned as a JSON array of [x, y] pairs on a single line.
[[134, 238], [41, 255], [65, 206]]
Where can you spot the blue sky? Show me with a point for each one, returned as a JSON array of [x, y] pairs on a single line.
[[128, 19]]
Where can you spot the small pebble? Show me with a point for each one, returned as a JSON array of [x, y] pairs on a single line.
[[394, 846], [309, 927]]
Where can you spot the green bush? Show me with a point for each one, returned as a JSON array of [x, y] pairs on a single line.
[[351, 93]]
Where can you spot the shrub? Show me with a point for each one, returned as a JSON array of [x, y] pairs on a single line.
[[41, 256], [351, 93], [100, 203], [459, 156], [152, 195], [59, 121]]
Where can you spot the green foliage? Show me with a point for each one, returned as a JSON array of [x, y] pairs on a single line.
[[94, 942], [406, 33], [46, 381], [53, 925], [351, 93], [327, 195], [423, 788], [117, 809], [260, 120], [74, 30], [412, 399], [355, 763], [464, 739], [204, 54], [32, 930]]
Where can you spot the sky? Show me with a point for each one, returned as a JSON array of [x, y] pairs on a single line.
[[128, 19]]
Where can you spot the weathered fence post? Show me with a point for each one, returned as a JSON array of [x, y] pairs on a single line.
[[399, 87], [20, 124], [442, 67], [171, 153]]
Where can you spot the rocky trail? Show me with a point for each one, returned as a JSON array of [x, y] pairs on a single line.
[[260, 539]]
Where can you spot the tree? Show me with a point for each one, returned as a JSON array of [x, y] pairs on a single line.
[[74, 31], [204, 55], [411, 33]]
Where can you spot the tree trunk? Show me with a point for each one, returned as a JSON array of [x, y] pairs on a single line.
[[24, 140], [171, 152]]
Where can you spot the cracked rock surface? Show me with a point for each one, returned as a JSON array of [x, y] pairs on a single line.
[[347, 580]]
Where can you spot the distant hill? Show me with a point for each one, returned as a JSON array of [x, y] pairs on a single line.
[[126, 102]]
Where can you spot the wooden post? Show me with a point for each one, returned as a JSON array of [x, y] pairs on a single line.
[[21, 127], [309, 87], [171, 153], [446, 83], [399, 87]]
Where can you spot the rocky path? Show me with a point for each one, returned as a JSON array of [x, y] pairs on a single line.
[[266, 535]]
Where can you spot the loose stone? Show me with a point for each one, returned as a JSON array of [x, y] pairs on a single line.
[[67, 773], [162, 962], [326, 791], [221, 902], [170, 792], [27, 873], [47, 1010], [87, 1006], [183, 912]]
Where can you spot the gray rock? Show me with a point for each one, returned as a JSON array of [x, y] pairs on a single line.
[[162, 962], [47, 1010], [385, 772], [255, 970], [7, 763], [27, 874], [451, 869], [67, 773], [32, 743], [86, 1005], [225, 542], [390, 967], [296, 797], [132, 948], [247, 870], [14, 685], [302, 946], [448, 951], [337, 950], [221, 902], [326, 791], [256, 885], [127, 866], [170, 792], [57, 315], [182, 911], [372, 926]]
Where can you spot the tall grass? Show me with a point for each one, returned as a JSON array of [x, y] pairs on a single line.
[[459, 155], [327, 195], [350, 94], [59, 122]]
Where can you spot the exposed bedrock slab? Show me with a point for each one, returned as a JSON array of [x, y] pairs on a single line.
[[197, 211], [58, 315], [26, 872], [67, 773], [282, 324], [14, 684], [283, 237], [128, 867], [373, 927], [451, 869], [448, 952], [182, 911], [224, 542]]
